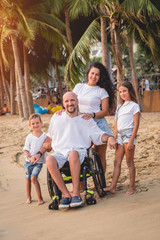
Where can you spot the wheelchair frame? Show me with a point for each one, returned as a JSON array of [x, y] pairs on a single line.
[[91, 167]]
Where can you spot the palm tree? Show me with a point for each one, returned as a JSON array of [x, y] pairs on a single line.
[[12, 88], [35, 18], [50, 27], [27, 80], [117, 13], [14, 17]]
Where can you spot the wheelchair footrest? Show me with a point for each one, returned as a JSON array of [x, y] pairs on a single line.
[[91, 200], [53, 205]]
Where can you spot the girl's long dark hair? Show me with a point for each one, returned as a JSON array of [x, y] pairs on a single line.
[[131, 90], [105, 82]]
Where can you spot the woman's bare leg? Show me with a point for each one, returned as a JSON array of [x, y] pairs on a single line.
[[101, 150]]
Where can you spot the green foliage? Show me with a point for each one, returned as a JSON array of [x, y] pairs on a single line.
[[76, 65]]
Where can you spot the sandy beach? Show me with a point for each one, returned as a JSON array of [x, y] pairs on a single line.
[[113, 217]]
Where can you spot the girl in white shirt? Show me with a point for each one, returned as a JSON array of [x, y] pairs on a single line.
[[95, 98], [126, 128]]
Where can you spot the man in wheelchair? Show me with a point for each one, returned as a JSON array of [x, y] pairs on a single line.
[[70, 136]]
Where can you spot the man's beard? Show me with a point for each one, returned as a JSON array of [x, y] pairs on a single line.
[[72, 111]]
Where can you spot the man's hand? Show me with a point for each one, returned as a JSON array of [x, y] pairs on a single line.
[[37, 157], [112, 143], [47, 146], [32, 159]]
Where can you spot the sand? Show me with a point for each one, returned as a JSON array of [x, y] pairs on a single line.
[[113, 217]]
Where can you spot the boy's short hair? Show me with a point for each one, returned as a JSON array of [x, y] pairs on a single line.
[[33, 116]]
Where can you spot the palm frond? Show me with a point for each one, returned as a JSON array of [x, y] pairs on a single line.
[[130, 6], [49, 19], [57, 38], [41, 6], [76, 64], [56, 6], [79, 8], [23, 22], [4, 34], [156, 4], [147, 5]]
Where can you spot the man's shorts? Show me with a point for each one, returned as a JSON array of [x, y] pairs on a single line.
[[61, 159], [124, 136], [32, 169]]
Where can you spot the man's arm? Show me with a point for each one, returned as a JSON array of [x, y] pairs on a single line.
[[99, 137], [112, 143], [45, 147]]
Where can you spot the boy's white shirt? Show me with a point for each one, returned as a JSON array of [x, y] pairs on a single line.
[[33, 145]]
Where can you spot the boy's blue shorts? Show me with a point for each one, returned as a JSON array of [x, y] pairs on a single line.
[[32, 169]]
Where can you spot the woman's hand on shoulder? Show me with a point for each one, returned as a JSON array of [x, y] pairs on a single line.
[[60, 111], [87, 116]]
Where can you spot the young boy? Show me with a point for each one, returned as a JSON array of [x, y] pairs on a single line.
[[33, 143]]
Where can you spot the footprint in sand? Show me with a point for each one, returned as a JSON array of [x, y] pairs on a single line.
[[141, 189], [16, 159]]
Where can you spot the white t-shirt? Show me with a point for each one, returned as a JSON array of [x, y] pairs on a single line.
[[89, 97], [125, 115], [70, 134], [33, 144]]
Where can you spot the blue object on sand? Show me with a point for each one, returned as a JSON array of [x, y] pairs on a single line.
[[40, 109]]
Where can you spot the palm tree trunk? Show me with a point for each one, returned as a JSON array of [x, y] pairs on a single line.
[[135, 82], [104, 43], [27, 81], [19, 101], [12, 87], [116, 44], [4, 82], [59, 82], [68, 29], [1, 93], [20, 76], [48, 91], [69, 37]]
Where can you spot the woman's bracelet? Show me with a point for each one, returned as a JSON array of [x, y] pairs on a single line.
[[94, 115]]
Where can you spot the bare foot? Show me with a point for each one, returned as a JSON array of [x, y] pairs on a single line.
[[40, 202], [28, 201], [130, 192], [109, 189]]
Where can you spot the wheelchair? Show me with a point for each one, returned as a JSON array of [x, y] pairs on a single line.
[[91, 167]]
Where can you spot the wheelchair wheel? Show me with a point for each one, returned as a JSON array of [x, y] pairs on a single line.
[[98, 174], [52, 188]]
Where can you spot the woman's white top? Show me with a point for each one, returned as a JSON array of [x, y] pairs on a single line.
[[33, 145], [89, 97], [125, 115]]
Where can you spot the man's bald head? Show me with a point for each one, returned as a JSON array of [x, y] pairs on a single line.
[[69, 95], [70, 102]]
